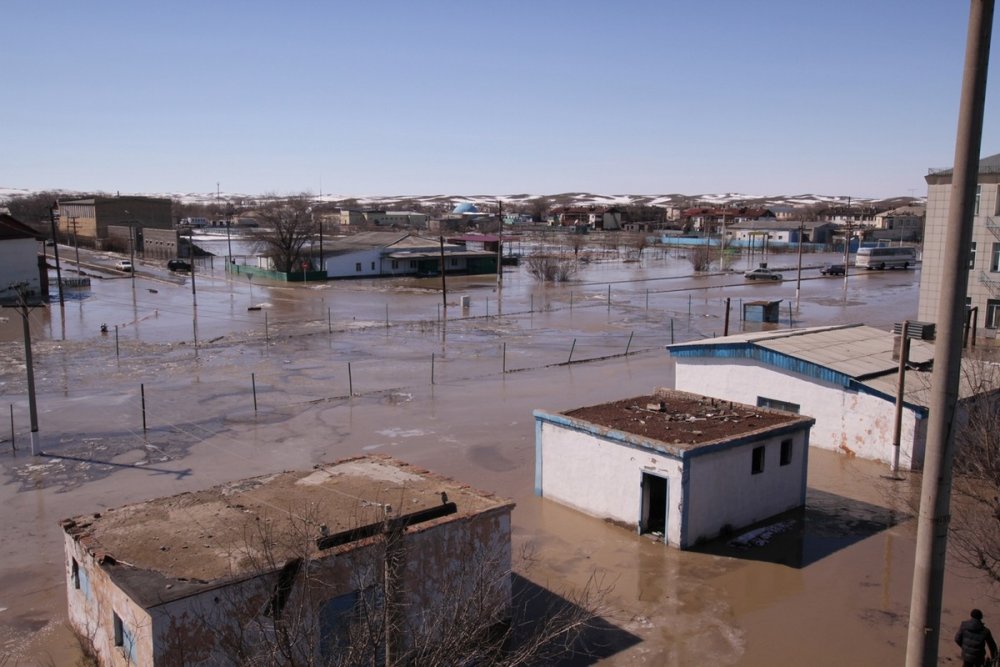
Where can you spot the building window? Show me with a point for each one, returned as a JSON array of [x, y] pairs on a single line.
[[357, 266], [373, 266], [992, 314], [757, 462], [786, 453], [979, 191], [76, 575], [972, 255], [995, 258], [413, 263], [775, 404], [395, 264], [454, 261], [124, 638]]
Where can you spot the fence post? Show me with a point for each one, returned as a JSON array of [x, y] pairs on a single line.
[[689, 306], [790, 314], [609, 297], [329, 321], [504, 366], [487, 306], [573, 347], [142, 393], [253, 385], [571, 301], [116, 341], [671, 331], [532, 303], [267, 335], [629, 344], [13, 445], [350, 380], [647, 298], [386, 316], [432, 368], [725, 330]]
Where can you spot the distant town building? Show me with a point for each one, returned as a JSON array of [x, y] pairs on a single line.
[[186, 580], [984, 260], [905, 223], [779, 231], [682, 467], [89, 218], [383, 218]]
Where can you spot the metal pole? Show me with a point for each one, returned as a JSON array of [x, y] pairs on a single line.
[[444, 284], [253, 386], [725, 327], [500, 244], [117, 349], [13, 444], [55, 251], [32, 407], [504, 366], [609, 298], [798, 277], [647, 299], [932, 522], [629, 344], [194, 291], [329, 321], [432, 368], [847, 248], [671, 331], [897, 424], [131, 248], [571, 301], [689, 306], [267, 335], [142, 394], [350, 380], [387, 316], [573, 347]]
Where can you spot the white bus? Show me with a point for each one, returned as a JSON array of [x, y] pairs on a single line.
[[885, 258]]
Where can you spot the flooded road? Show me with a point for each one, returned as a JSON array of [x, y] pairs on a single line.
[[452, 392]]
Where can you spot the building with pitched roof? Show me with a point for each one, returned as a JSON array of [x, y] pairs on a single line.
[[984, 259], [680, 467], [843, 376], [208, 577]]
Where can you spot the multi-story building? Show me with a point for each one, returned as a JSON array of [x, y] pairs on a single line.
[[984, 258], [89, 218]]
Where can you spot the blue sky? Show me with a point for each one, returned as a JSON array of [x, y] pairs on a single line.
[[468, 97]]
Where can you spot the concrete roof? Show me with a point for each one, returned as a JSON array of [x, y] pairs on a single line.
[[394, 240], [169, 548], [678, 423], [987, 165]]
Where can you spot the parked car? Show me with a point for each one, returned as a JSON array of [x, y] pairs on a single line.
[[178, 265], [762, 273], [833, 270], [124, 265]]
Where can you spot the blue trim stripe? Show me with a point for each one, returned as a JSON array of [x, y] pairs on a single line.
[[538, 457]]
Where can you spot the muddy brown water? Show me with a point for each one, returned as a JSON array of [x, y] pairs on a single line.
[[833, 590]]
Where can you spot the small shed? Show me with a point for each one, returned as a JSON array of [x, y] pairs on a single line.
[[682, 467], [762, 311]]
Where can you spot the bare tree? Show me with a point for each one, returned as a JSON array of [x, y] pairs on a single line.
[[286, 612], [701, 257], [638, 242], [975, 521], [286, 226], [551, 266], [577, 242]]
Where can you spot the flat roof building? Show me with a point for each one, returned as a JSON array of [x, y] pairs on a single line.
[[184, 579], [682, 467]]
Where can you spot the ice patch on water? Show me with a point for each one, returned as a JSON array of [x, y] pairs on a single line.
[[401, 432]]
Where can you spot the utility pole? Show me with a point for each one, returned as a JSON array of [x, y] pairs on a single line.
[[55, 251], [924, 632], [848, 235], [194, 291], [798, 278], [444, 286], [500, 244], [76, 244], [22, 306]]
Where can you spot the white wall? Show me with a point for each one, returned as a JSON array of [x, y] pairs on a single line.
[[345, 266], [18, 263], [604, 478], [724, 492], [854, 423]]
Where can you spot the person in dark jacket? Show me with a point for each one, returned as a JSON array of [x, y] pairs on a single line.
[[974, 638]]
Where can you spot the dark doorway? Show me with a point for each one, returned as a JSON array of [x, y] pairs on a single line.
[[654, 506]]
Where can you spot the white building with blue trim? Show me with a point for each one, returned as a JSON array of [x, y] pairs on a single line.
[[681, 467], [846, 377]]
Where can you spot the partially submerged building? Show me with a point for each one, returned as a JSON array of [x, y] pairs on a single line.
[[680, 466], [310, 557], [95, 219], [22, 270], [844, 376], [372, 254]]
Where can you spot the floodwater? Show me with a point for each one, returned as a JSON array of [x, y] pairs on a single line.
[[343, 368]]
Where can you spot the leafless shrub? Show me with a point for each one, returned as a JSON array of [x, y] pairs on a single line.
[[286, 226], [551, 267], [701, 257]]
